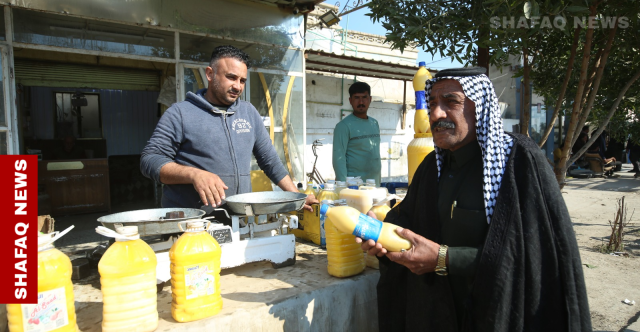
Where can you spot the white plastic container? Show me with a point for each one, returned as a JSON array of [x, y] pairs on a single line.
[[359, 199]]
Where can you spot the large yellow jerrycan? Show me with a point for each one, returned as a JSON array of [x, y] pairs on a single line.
[[128, 278], [55, 310], [344, 255], [195, 273]]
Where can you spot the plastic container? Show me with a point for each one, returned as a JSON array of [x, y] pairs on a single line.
[[310, 190], [421, 119], [344, 255], [418, 148], [380, 208], [422, 143], [310, 222], [55, 310], [359, 199], [340, 185], [328, 193], [195, 274], [128, 277], [350, 220]]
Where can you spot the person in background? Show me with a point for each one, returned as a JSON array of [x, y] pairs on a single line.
[[356, 139], [201, 148], [633, 149], [493, 247], [69, 150]]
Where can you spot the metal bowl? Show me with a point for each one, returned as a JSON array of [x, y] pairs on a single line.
[[266, 202], [150, 221]]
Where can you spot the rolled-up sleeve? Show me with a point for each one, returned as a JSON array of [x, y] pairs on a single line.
[[163, 145]]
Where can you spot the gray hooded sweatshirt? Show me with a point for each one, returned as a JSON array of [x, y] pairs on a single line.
[[195, 133]]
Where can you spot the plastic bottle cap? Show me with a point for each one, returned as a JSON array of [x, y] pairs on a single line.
[[195, 225], [331, 181], [128, 230], [342, 183], [299, 185], [349, 178], [324, 208], [371, 181], [422, 64], [328, 186]]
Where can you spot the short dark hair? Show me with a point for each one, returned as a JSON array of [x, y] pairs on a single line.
[[228, 51], [359, 87]]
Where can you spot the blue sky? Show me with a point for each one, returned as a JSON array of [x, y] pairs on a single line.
[[357, 21]]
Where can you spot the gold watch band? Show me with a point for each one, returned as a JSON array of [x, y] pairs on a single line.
[[441, 267]]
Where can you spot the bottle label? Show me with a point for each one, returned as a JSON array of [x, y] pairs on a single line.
[[199, 280], [367, 228], [421, 100], [323, 235], [49, 314]]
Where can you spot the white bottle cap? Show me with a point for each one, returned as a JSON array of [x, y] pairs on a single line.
[[328, 186], [349, 178], [195, 226], [130, 232], [371, 181], [331, 181]]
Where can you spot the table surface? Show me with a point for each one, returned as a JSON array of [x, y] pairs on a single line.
[[302, 297]]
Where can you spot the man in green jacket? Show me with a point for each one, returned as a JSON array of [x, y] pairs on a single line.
[[356, 139]]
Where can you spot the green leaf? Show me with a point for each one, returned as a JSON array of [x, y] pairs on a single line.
[[575, 9]]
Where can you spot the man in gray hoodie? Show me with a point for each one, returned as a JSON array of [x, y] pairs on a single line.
[[201, 148]]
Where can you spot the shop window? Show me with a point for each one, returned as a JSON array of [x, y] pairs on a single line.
[[78, 115]]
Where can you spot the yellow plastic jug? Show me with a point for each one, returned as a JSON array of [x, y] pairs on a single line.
[[309, 190], [328, 193], [380, 210], [128, 278], [344, 255], [195, 274], [351, 221], [418, 148], [55, 310], [310, 222], [359, 199]]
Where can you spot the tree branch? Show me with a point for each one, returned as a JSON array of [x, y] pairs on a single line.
[[563, 91], [612, 110]]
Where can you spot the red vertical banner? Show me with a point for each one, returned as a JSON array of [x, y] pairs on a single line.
[[19, 229]]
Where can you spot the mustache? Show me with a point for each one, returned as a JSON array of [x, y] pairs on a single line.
[[444, 124], [361, 105]]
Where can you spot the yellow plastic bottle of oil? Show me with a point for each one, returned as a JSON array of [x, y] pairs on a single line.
[[422, 144], [359, 199], [128, 278], [344, 255], [328, 193], [380, 208], [309, 190], [195, 274], [55, 310], [351, 221]]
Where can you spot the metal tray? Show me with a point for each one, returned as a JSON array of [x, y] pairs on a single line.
[[266, 202], [150, 221]]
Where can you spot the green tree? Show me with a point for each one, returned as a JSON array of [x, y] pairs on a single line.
[[568, 62]]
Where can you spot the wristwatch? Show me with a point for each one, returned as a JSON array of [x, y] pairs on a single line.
[[441, 267]]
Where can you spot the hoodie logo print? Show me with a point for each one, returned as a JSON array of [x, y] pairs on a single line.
[[241, 126]]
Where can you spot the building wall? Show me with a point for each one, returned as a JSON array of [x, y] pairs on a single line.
[[128, 117]]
